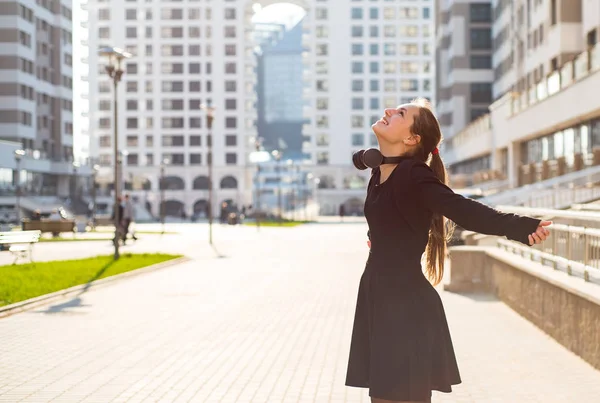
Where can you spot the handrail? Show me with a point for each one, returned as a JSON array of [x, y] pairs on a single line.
[[545, 212]]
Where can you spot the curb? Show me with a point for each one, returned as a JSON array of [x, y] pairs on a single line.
[[31, 303]]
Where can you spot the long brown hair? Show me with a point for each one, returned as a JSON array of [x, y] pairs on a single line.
[[427, 126]]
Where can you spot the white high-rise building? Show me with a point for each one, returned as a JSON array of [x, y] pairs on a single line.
[[361, 57]]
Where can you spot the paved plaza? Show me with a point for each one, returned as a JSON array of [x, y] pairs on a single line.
[[265, 319]]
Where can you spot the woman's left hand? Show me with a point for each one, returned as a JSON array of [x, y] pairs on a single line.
[[540, 234]]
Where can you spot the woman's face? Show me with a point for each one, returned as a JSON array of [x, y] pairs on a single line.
[[395, 124]]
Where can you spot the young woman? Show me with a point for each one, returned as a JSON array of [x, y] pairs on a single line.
[[401, 348]]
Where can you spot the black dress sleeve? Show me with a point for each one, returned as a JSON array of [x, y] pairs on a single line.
[[468, 213]]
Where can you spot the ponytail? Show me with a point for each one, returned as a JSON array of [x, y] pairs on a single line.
[[439, 233]]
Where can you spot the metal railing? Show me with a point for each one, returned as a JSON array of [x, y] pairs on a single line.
[[573, 250], [562, 197]]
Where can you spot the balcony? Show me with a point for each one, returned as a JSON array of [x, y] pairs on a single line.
[[473, 141], [561, 99]]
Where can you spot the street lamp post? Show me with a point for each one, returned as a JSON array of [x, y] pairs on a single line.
[[210, 116], [95, 170], [74, 189], [277, 155], [257, 144], [115, 72], [161, 185], [19, 154]]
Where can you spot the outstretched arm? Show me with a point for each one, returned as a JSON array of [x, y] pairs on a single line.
[[471, 214]]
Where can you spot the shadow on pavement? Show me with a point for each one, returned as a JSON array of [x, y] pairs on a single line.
[[76, 301], [219, 254]]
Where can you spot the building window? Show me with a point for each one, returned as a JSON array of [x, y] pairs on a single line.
[[231, 104], [194, 68], [195, 123], [322, 50], [231, 140], [230, 32], [132, 104], [374, 31], [321, 31], [357, 13], [195, 86], [195, 159], [481, 62], [389, 13], [357, 49], [131, 14], [481, 38], [195, 140], [104, 14], [322, 140], [230, 50], [230, 122], [322, 104], [104, 32], [374, 13], [358, 139], [172, 141], [230, 158], [132, 159], [104, 141], [409, 85], [230, 13], [132, 141], [481, 92], [131, 32], [320, 13], [322, 85], [374, 85], [357, 31], [322, 158], [357, 85], [131, 68], [358, 104], [478, 112], [374, 103], [357, 67], [132, 123], [480, 12]]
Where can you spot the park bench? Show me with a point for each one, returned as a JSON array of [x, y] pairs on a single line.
[[19, 243]]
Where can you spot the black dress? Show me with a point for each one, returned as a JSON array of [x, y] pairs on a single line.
[[401, 347]]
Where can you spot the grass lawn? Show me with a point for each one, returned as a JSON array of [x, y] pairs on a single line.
[[24, 281]]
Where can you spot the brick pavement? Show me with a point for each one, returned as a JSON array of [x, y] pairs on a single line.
[[269, 322]]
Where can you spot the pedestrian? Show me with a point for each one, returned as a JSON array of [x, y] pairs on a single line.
[[127, 218], [342, 212], [401, 347], [118, 207]]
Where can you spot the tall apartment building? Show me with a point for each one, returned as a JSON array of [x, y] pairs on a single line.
[[81, 71], [361, 56], [36, 99], [545, 120], [280, 90], [464, 69]]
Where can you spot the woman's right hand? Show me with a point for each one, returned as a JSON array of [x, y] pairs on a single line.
[[369, 244]]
